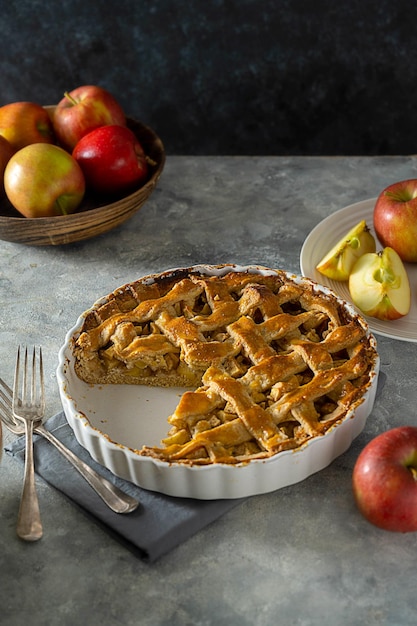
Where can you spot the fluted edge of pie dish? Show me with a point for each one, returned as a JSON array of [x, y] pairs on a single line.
[[216, 481]]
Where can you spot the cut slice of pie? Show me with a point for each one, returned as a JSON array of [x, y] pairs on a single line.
[[270, 360]]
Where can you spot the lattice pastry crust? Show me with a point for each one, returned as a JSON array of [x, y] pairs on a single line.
[[271, 360]]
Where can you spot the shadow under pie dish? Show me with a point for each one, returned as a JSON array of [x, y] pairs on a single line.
[[218, 381]]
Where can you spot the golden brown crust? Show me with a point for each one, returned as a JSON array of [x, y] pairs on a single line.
[[275, 361]]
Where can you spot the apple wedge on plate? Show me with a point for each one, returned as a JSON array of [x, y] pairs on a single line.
[[379, 285], [337, 264]]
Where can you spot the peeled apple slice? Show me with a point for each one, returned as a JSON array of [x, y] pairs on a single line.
[[379, 285], [339, 261]]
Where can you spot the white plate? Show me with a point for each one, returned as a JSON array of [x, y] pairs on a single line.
[[112, 421], [325, 235]]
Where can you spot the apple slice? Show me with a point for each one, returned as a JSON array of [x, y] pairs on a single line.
[[339, 261], [379, 285]]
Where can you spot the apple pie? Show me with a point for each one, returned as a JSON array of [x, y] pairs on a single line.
[[268, 360]]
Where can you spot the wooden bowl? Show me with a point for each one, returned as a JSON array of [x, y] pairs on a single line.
[[94, 216]]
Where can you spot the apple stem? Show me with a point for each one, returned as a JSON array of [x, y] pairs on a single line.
[[62, 210], [150, 161], [69, 97], [413, 471]]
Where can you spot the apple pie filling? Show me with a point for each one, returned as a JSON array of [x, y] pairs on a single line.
[[271, 362]]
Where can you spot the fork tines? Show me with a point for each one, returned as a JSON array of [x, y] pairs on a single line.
[[31, 384]]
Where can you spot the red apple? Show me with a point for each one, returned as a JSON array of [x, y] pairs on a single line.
[[112, 159], [23, 123], [385, 480], [43, 180], [82, 110], [395, 218], [6, 152]]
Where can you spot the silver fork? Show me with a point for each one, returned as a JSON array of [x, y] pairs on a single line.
[[115, 498], [29, 406]]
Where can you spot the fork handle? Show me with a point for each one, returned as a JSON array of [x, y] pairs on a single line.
[[115, 498], [29, 525]]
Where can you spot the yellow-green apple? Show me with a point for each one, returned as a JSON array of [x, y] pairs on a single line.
[[384, 480], [395, 218], [379, 285], [339, 261], [112, 159], [23, 123], [82, 110], [43, 180], [6, 152]]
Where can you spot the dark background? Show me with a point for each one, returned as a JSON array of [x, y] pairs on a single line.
[[283, 77]]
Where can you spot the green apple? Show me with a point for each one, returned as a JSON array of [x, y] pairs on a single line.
[[23, 123], [43, 180], [379, 285], [339, 261]]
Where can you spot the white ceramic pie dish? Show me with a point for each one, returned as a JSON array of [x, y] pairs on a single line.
[[112, 422]]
